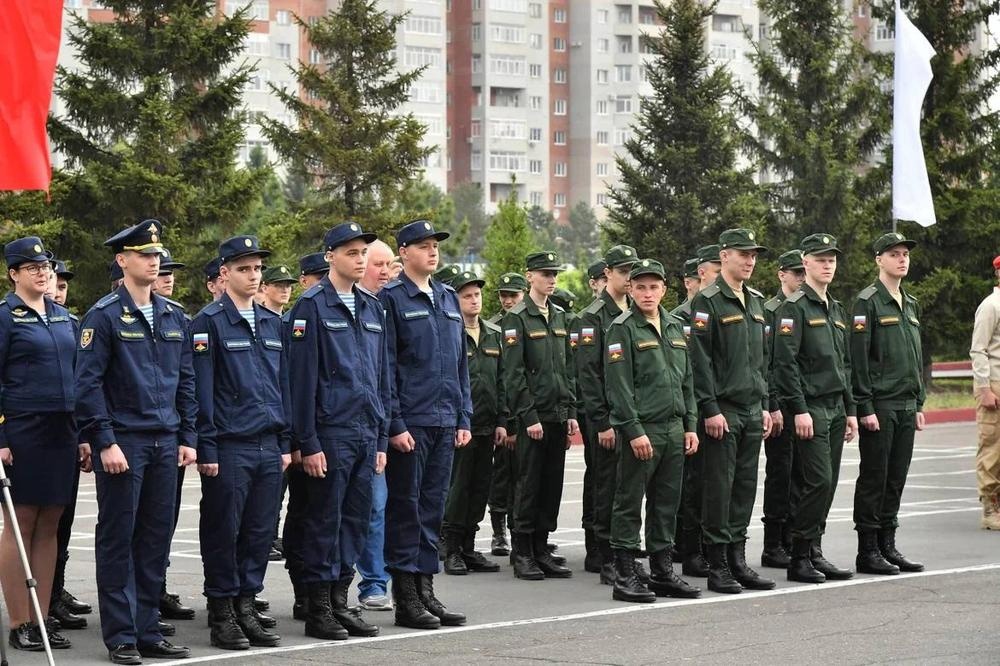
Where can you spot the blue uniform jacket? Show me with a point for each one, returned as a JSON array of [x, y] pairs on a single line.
[[36, 360], [130, 380], [240, 377], [428, 356], [339, 369]]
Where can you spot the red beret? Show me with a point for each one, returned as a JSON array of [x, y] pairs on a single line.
[[996, 263]]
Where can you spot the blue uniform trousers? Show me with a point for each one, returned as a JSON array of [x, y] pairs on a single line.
[[238, 510], [418, 487], [338, 508], [291, 531], [135, 513]]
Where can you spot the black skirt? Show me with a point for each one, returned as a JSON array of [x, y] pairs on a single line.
[[45, 457]]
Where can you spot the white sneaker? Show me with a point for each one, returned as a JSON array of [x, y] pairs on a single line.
[[378, 602]]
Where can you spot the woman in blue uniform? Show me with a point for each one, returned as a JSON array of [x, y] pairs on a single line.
[[38, 434]]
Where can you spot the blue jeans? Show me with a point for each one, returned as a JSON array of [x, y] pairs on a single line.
[[371, 563]]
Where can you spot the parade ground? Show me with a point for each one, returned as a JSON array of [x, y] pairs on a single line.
[[949, 614]]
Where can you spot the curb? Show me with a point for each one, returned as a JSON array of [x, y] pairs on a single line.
[[959, 415]]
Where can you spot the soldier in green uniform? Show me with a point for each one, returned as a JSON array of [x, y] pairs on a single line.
[[593, 323], [730, 384], [540, 396], [473, 464], [811, 369], [690, 546], [596, 278], [778, 443], [593, 560], [651, 402], [887, 379], [447, 273], [510, 292]]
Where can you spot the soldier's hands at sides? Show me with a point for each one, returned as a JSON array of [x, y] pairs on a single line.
[[988, 399], [921, 421], [804, 426], [286, 460], [84, 457], [716, 426], [642, 448], [852, 429], [462, 438], [296, 458], [113, 460], [380, 459], [536, 431], [499, 436], [315, 465], [208, 469], [572, 427], [870, 422], [186, 456], [6, 456], [690, 443], [777, 424], [403, 442], [766, 422], [606, 439]]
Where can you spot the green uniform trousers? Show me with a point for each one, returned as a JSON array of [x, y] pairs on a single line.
[[885, 462], [587, 515], [471, 469], [689, 514], [502, 482], [660, 479], [540, 467], [605, 464], [729, 475], [778, 474], [816, 467]]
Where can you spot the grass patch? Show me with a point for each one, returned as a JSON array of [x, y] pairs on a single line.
[[950, 393]]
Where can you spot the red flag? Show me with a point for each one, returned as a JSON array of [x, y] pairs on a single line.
[[29, 46]]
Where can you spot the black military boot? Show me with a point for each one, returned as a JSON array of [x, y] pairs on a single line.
[[74, 605], [247, 619], [663, 582], [320, 622], [67, 620], [265, 621], [694, 564], [544, 559], [474, 560], [551, 548], [525, 566], [499, 545], [454, 565], [627, 586], [607, 572], [171, 607], [640, 570], [774, 554], [349, 618], [425, 587], [887, 544], [301, 602], [225, 633], [409, 609], [720, 577], [826, 567], [800, 567], [592, 562], [870, 559], [736, 553]]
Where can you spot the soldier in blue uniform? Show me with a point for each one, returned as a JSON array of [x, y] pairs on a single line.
[[137, 409], [339, 357], [243, 445], [213, 278], [431, 410]]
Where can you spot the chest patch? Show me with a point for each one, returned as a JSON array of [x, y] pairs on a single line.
[[614, 352]]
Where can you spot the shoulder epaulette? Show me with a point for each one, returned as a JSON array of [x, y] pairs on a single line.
[[755, 292], [772, 304], [594, 307], [623, 317], [312, 291], [365, 291], [796, 296], [106, 301], [393, 284], [680, 321], [71, 316], [867, 292], [711, 290], [517, 309], [174, 303], [448, 287], [492, 327], [212, 309], [557, 308], [286, 317]]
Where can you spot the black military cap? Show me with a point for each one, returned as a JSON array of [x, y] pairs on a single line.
[[59, 268], [447, 273], [595, 271], [647, 267], [691, 267], [819, 244], [345, 233], [790, 261], [740, 239], [144, 238], [313, 263], [464, 279], [276, 274], [543, 261], [620, 255], [892, 240], [167, 263], [24, 250], [212, 269], [238, 247], [419, 230], [512, 282], [563, 298]]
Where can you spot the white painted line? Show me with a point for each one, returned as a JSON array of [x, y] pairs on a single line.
[[965, 488], [618, 610]]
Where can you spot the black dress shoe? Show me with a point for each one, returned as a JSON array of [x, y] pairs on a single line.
[[166, 629], [171, 608], [164, 650], [124, 654], [66, 619], [74, 605], [26, 637], [261, 604], [56, 640]]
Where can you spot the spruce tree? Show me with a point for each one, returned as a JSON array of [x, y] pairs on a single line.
[[680, 185], [508, 241], [151, 129], [350, 140]]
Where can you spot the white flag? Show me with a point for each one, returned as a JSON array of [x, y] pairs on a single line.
[[911, 190]]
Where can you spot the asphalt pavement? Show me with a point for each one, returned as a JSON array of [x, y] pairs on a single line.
[[946, 615]]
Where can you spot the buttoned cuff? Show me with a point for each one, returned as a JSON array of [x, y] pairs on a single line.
[[382, 445], [103, 438], [631, 430], [798, 406], [530, 418], [866, 408], [851, 409], [310, 446], [710, 408], [602, 424], [465, 421], [397, 427], [208, 453]]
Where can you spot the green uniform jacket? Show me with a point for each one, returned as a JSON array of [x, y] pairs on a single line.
[[683, 314], [727, 348], [770, 325], [648, 376], [489, 404], [573, 323], [537, 377], [593, 323], [810, 352], [886, 358]]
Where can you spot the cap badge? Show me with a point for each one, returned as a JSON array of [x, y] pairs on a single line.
[[826, 239], [551, 257], [750, 235], [427, 226], [38, 249], [628, 253], [354, 227], [506, 280], [152, 229], [645, 263], [153, 238], [283, 270], [248, 242]]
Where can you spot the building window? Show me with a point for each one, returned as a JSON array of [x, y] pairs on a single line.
[[602, 16], [425, 92], [602, 45], [283, 51], [602, 168], [475, 129], [507, 129], [535, 40], [559, 168], [477, 64], [535, 10], [476, 161], [602, 199], [507, 65], [623, 104], [559, 44], [314, 57], [507, 34], [256, 44], [476, 32], [559, 138], [420, 56], [433, 123], [602, 107], [624, 43], [535, 167], [624, 13], [883, 33], [516, 6], [559, 15], [559, 75], [535, 103], [722, 51], [621, 136], [259, 10], [560, 107], [602, 138], [602, 76], [536, 198], [559, 200], [423, 25], [535, 134], [283, 17], [535, 71], [505, 161], [623, 73]]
